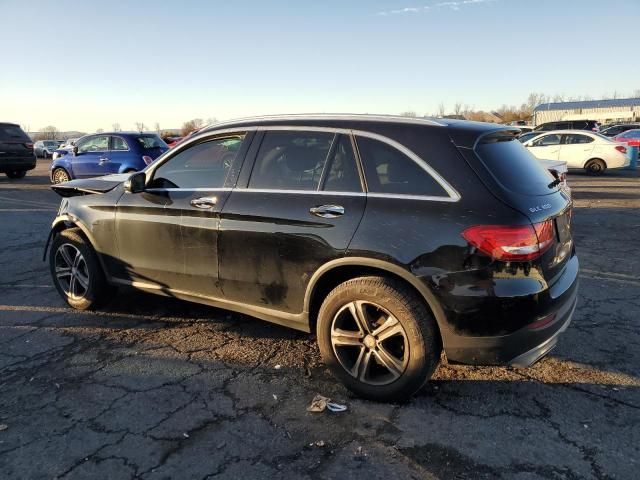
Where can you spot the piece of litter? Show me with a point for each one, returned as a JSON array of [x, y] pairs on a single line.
[[336, 407], [278, 367], [221, 445], [586, 426], [3, 427], [615, 389], [318, 404], [185, 435], [57, 385], [319, 443], [275, 397]]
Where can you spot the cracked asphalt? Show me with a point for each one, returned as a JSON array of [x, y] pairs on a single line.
[[157, 388]]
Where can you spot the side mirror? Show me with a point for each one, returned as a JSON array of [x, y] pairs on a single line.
[[136, 183], [74, 150]]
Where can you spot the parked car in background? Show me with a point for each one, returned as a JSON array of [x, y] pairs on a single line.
[[16, 151], [557, 168], [591, 125], [173, 141], [613, 130], [106, 153], [528, 136], [45, 148], [630, 137], [65, 147], [390, 238], [580, 149]]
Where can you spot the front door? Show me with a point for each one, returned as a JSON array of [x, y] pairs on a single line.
[[167, 235], [298, 210], [91, 156]]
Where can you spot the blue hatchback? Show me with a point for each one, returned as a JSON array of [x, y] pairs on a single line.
[[104, 153]]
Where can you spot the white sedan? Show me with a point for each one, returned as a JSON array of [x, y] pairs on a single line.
[[580, 149]]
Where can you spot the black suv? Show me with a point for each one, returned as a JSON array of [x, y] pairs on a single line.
[[16, 151], [391, 238], [591, 125], [617, 129]]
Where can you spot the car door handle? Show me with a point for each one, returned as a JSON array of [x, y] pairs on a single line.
[[327, 211], [204, 202], [103, 160]]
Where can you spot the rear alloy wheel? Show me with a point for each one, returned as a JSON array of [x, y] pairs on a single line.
[[76, 271], [595, 166], [378, 338], [60, 175], [16, 174]]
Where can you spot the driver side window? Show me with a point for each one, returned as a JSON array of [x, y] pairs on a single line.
[[204, 165], [99, 143]]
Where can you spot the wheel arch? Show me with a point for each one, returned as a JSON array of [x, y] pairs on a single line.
[[330, 275], [66, 222]]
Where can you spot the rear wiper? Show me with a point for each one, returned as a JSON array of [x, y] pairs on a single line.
[[555, 183]]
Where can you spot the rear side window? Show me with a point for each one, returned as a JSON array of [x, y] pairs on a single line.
[[13, 133], [148, 142], [515, 168], [119, 143], [388, 170], [291, 160], [574, 138]]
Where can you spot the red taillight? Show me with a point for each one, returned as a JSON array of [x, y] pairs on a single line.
[[29, 146], [621, 149], [147, 159], [520, 243]]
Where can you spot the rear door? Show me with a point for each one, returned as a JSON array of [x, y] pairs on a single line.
[[575, 149], [546, 147], [92, 156], [297, 206]]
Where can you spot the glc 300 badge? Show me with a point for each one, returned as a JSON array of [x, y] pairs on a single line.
[[540, 208]]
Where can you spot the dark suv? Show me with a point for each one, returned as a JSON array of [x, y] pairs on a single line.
[[16, 151], [591, 125], [392, 238]]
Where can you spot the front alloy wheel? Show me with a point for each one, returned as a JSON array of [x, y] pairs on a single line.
[[76, 271], [71, 271]]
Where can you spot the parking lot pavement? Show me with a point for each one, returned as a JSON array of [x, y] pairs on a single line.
[[157, 388]]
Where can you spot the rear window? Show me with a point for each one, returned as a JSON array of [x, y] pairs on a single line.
[[515, 168], [151, 141], [12, 133]]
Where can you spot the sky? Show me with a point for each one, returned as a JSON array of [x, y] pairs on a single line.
[[86, 64]]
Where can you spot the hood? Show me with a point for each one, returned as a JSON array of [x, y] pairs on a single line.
[[88, 186]]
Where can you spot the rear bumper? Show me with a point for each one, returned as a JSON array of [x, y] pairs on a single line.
[[13, 164], [528, 344]]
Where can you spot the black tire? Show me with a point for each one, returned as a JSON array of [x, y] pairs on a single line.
[[91, 288], [392, 303], [60, 175], [595, 166], [16, 174]]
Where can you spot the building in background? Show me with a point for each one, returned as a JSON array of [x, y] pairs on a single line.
[[604, 111]]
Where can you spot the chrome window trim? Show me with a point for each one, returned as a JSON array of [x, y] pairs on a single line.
[[453, 195], [198, 189], [298, 192]]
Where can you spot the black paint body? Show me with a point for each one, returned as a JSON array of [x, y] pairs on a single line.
[[262, 253]]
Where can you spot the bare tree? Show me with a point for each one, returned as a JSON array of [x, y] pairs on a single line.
[[49, 133], [140, 126], [457, 109], [441, 109], [157, 128], [211, 120], [100, 130], [191, 125], [115, 127], [409, 113]]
